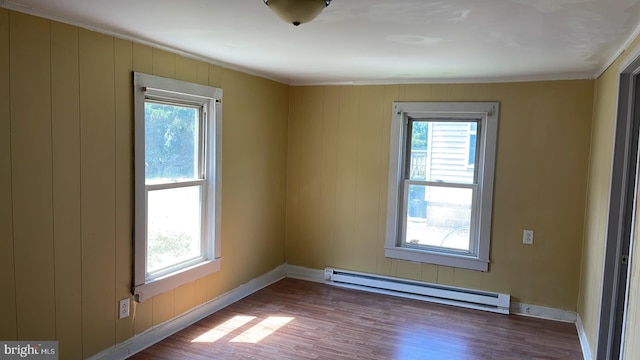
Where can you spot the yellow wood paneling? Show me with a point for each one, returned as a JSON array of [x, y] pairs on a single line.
[[408, 269], [163, 307], [164, 63], [293, 177], [215, 76], [185, 298], [481, 92], [237, 197], [414, 92], [367, 177], [250, 185], [8, 327], [279, 116], [97, 117], [186, 69], [328, 168], [460, 92], [32, 175], [429, 273], [391, 94], [142, 315], [439, 92], [344, 247], [271, 163], [65, 124], [123, 64], [142, 59], [202, 73], [445, 275], [467, 278], [201, 290], [211, 287], [310, 167], [240, 198]]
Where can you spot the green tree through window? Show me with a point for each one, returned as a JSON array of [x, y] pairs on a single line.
[[170, 136]]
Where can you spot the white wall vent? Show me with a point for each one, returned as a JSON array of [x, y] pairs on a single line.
[[442, 294]]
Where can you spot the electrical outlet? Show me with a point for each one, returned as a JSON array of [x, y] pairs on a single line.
[[527, 237], [124, 308]]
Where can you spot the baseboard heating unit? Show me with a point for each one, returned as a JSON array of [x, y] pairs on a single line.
[[442, 294]]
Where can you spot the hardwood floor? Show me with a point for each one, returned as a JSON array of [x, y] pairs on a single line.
[[294, 319]]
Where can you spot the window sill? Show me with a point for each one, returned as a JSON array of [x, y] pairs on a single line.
[[429, 257], [171, 281]]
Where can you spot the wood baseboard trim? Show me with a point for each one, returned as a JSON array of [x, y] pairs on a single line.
[[168, 328], [584, 342]]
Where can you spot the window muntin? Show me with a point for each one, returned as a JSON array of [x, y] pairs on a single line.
[[178, 134], [439, 207]]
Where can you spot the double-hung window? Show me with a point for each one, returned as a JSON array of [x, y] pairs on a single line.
[[442, 159], [178, 133]]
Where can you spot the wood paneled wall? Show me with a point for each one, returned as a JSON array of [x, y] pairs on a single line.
[[66, 183], [338, 175]]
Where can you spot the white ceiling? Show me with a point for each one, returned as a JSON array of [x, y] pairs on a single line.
[[373, 41]]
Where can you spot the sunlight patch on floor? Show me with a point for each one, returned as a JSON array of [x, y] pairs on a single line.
[[263, 329], [224, 329]]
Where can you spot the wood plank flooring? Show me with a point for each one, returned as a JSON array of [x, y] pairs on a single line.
[[294, 319]]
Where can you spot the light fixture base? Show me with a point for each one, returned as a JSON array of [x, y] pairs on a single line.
[[297, 12]]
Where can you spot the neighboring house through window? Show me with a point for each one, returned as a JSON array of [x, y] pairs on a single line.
[[177, 183], [441, 183], [473, 134]]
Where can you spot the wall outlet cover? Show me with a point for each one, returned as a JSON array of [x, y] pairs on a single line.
[[123, 308]]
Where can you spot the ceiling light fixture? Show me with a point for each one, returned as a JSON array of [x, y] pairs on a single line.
[[297, 12]]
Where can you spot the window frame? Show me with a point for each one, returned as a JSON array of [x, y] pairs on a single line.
[[486, 113], [209, 179]]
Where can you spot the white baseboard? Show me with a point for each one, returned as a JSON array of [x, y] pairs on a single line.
[[161, 331], [543, 312], [303, 273], [584, 342]]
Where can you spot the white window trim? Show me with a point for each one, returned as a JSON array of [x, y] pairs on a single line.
[[402, 111], [211, 99]]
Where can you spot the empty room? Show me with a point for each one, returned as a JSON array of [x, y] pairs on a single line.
[[317, 179]]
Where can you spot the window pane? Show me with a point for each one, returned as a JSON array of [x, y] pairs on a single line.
[[174, 227], [438, 216], [171, 133], [473, 133], [472, 149], [440, 151]]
